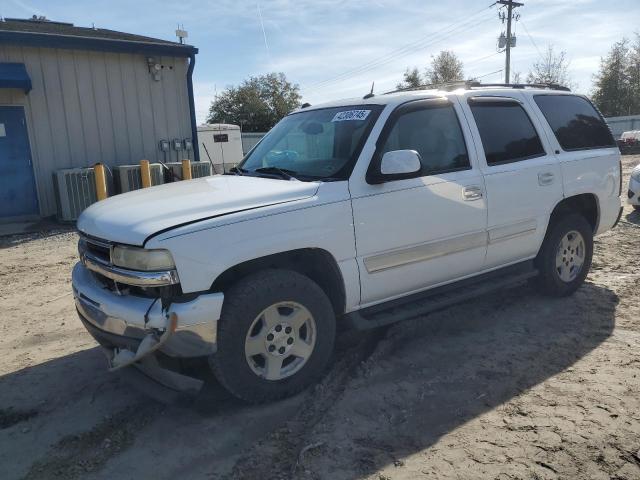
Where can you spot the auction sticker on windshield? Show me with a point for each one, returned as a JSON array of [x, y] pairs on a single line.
[[351, 115]]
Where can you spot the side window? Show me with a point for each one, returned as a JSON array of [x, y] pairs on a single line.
[[506, 130], [435, 133], [575, 122]]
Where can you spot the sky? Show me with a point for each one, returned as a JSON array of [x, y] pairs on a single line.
[[337, 48]]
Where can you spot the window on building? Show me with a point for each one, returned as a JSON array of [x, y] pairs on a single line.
[[434, 132], [575, 122], [506, 130]]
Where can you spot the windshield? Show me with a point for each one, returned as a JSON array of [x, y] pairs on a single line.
[[312, 145]]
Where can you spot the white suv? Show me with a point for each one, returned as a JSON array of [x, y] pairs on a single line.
[[634, 188], [353, 213]]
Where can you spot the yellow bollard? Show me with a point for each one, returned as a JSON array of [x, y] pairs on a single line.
[[101, 181], [186, 169], [145, 173]]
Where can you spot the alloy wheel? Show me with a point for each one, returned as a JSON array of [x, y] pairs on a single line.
[[280, 340]]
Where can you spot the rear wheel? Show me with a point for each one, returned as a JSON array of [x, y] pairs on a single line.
[[275, 336], [564, 259]]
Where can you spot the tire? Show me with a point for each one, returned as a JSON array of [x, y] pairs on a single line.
[[560, 281], [255, 308]]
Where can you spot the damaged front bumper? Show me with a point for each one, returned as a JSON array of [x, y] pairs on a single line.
[[132, 328]]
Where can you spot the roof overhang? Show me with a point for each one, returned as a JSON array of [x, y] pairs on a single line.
[[14, 75], [49, 40]]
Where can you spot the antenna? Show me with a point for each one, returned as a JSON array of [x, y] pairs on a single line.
[[370, 94], [181, 33]]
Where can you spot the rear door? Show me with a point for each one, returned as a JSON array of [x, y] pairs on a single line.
[[522, 176], [17, 185], [416, 233], [587, 152]]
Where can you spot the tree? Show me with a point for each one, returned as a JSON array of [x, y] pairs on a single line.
[[551, 68], [445, 67], [613, 90], [411, 79], [257, 104], [633, 76]]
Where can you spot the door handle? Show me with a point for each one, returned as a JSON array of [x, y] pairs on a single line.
[[545, 178], [472, 192]]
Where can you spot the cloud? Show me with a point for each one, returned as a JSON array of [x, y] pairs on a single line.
[[204, 94], [352, 43]]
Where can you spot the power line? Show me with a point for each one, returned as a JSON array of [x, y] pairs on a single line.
[[377, 65], [488, 74], [531, 39], [404, 50], [396, 54], [476, 60]]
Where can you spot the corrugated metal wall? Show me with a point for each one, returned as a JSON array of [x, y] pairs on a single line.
[[250, 139], [623, 124], [88, 107]]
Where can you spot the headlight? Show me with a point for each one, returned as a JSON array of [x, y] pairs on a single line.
[[635, 173], [142, 259]]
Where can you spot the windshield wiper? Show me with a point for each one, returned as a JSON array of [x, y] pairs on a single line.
[[282, 172], [236, 171]]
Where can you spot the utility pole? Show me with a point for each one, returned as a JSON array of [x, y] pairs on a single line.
[[507, 65]]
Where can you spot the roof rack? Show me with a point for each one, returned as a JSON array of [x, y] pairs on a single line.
[[471, 84], [432, 86], [549, 86]]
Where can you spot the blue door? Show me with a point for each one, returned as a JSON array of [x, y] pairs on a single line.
[[18, 195]]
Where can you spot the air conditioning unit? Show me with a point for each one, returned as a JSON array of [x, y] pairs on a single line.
[[75, 190], [198, 169], [128, 177]]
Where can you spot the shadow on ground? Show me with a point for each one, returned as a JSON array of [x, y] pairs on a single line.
[[633, 217], [12, 235], [424, 379], [429, 377]]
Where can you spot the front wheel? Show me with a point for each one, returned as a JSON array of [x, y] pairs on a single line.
[[564, 259], [275, 336]]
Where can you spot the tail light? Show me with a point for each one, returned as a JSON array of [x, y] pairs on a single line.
[[620, 177]]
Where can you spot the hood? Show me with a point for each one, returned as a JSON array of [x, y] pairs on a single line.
[[132, 217]]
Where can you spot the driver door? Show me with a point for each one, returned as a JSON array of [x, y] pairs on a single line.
[[418, 233]]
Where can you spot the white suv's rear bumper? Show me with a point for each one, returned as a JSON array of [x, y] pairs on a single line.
[[123, 321]]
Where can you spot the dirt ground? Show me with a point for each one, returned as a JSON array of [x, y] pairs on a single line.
[[513, 385]]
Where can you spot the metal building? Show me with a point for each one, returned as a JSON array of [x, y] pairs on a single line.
[[73, 97], [618, 125]]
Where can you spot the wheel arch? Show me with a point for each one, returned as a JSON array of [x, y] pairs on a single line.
[[585, 204], [315, 263]]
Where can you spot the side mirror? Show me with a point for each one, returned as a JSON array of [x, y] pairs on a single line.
[[397, 165]]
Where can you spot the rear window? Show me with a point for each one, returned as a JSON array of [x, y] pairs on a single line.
[[575, 122], [506, 131]]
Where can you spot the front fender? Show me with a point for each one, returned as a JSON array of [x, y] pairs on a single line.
[[206, 250]]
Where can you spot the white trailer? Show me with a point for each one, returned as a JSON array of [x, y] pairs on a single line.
[[220, 144]]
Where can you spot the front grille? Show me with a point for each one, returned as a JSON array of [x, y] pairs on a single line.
[[97, 248], [100, 251]]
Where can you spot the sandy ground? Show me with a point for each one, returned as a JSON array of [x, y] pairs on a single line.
[[508, 386]]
